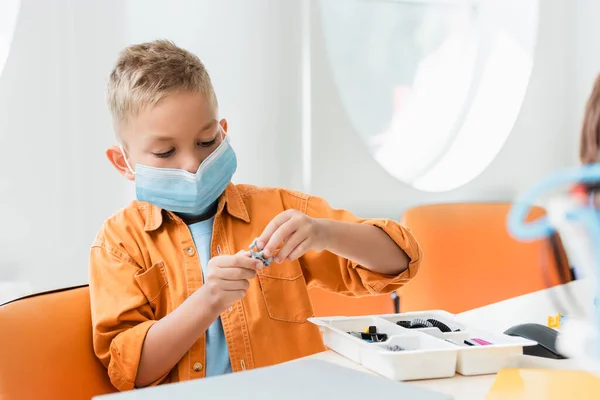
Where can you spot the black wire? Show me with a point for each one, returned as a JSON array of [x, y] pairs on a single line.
[[396, 301]]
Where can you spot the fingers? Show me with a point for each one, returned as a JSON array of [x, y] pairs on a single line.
[[298, 237], [281, 235], [240, 260], [233, 285], [299, 251], [270, 229], [234, 274]]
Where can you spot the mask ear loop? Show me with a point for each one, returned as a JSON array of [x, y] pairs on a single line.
[[219, 150], [223, 133], [125, 158], [223, 137]]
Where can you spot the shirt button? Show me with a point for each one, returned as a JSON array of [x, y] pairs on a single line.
[[198, 367], [190, 251]]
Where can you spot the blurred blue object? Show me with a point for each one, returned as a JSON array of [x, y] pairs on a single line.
[[574, 217]]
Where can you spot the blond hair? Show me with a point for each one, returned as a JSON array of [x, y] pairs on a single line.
[[147, 72]]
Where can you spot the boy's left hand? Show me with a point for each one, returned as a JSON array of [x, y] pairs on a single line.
[[296, 233]]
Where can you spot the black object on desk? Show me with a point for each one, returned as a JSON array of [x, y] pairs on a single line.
[[396, 301], [370, 337], [543, 335]]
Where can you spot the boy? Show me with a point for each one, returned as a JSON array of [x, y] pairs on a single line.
[[175, 293]]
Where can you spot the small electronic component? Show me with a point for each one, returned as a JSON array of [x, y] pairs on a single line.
[[370, 335], [454, 342], [440, 325], [394, 347], [420, 323], [477, 342], [404, 324], [259, 254]]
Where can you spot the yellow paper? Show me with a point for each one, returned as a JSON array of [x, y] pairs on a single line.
[[547, 384]]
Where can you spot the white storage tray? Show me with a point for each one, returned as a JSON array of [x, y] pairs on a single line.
[[429, 353], [424, 356]]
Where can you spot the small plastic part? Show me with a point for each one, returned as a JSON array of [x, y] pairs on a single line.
[[370, 337], [378, 337], [372, 329], [394, 347], [404, 324], [259, 255], [420, 323], [554, 321], [440, 325]]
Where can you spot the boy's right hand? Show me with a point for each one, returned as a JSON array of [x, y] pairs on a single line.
[[228, 279]]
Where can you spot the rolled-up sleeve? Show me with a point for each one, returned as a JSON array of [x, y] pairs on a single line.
[[328, 271], [121, 314]]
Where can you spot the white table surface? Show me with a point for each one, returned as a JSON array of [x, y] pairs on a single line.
[[534, 307], [460, 387], [530, 308]]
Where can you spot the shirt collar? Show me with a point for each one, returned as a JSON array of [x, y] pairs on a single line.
[[230, 199]]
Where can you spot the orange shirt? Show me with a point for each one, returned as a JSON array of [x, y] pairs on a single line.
[[143, 265]]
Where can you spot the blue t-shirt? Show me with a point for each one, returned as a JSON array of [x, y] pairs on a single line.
[[217, 354]]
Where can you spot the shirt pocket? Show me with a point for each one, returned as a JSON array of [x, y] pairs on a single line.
[[285, 293], [153, 283]]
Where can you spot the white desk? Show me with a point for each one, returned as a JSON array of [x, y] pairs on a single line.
[[460, 387], [533, 307]]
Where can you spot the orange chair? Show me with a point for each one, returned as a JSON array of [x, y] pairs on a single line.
[[46, 348], [470, 260], [327, 304]]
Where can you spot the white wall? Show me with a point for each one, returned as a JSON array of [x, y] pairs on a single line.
[[535, 147], [56, 187], [251, 49]]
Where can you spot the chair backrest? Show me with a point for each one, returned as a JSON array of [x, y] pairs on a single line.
[[46, 348], [326, 303], [470, 260]]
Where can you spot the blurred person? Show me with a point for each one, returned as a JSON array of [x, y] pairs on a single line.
[[589, 145]]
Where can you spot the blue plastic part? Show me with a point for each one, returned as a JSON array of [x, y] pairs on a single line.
[[587, 216], [541, 228]]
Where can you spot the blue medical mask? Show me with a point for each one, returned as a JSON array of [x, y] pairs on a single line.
[[183, 192]]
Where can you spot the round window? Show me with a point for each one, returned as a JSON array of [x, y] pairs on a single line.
[[433, 87]]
